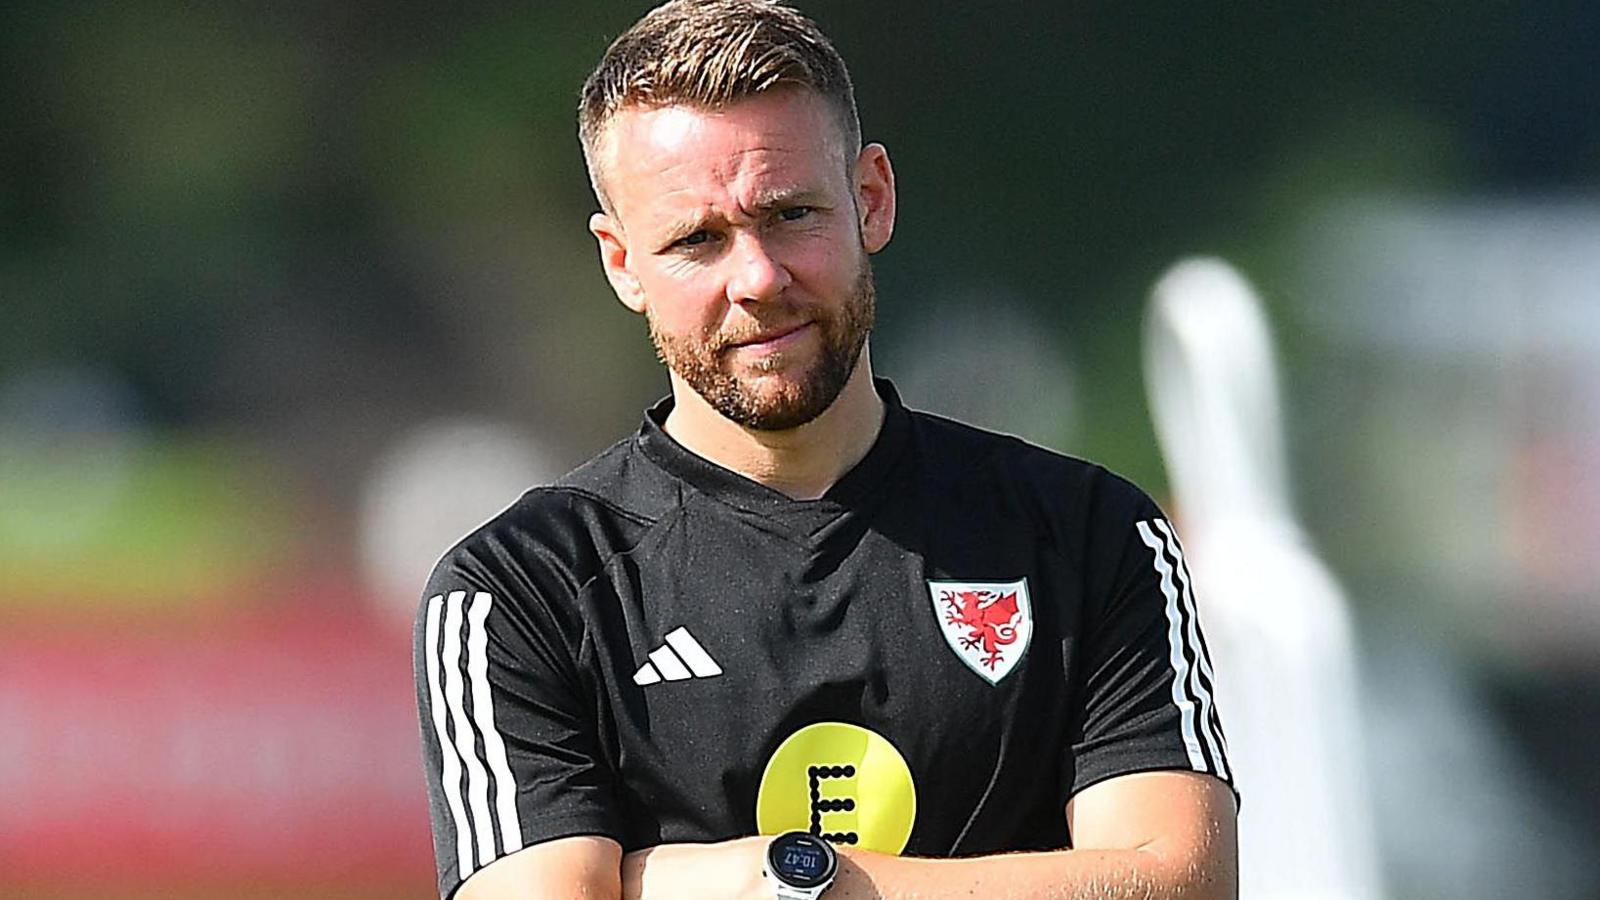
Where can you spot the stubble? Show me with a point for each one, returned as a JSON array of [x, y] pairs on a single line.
[[710, 371]]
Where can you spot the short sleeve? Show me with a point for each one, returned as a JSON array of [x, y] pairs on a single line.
[[509, 747], [1148, 683]]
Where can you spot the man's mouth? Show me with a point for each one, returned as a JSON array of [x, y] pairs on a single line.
[[775, 340]]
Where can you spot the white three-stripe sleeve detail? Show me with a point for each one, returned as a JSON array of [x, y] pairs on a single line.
[[699, 661], [494, 748], [450, 776], [1209, 725], [1180, 665], [1211, 721], [466, 740]]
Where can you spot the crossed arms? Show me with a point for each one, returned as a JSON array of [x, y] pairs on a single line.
[[1144, 836]]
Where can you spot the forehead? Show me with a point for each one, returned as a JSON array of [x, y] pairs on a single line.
[[674, 160]]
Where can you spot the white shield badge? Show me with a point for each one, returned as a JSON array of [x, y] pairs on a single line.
[[987, 623]]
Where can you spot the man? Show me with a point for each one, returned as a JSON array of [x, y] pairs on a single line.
[[788, 604]]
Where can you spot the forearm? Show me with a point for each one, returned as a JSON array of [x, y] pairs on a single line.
[[733, 870], [1056, 875]]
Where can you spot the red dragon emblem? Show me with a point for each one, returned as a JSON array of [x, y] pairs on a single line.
[[988, 617]]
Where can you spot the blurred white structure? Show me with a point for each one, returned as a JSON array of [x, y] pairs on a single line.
[[976, 353], [1275, 618], [430, 489]]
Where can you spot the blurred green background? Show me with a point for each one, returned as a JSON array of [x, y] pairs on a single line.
[[251, 253]]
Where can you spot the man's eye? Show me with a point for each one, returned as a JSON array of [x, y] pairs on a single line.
[[795, 213], [693, 240]]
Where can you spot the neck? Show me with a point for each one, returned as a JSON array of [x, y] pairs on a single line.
[[801, 462]]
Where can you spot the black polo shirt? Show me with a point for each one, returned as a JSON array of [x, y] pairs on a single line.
[[930, 659]]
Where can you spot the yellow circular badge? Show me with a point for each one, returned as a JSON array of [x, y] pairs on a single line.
[[841, 782]]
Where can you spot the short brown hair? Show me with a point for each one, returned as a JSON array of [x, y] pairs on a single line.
[[708, 54]]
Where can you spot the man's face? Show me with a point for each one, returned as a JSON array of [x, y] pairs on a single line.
[[742, 235]]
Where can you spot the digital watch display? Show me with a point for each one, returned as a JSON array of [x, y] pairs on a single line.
[[800, 865]]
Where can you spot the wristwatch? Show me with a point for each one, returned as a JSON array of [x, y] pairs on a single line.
[[800, 865]]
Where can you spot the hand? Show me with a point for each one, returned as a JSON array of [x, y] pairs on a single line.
[[728, 870]]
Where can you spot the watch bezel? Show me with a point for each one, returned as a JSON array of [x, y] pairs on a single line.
[[805, 884]]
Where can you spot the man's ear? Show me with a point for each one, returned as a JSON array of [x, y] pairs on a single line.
[[614, 259], [874, 187]]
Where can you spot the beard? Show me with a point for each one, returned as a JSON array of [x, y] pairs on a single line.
[[802, 395]]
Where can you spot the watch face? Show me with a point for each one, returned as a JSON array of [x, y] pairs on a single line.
[[801, 860]]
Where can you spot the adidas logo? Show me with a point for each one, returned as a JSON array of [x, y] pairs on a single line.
[[689, 661]]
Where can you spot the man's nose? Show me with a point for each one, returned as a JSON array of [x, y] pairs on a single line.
[[756, 274]]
